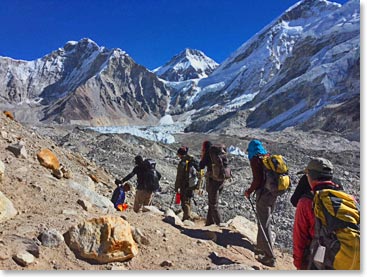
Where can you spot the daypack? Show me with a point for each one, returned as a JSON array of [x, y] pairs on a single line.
[[191, 172], [150, 176], [277, 180], [220, 169], [118, 196], [336, 244]]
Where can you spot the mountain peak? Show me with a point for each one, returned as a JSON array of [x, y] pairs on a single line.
[[308, 8], [188, 64]]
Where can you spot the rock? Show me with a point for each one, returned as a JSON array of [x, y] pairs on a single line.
[[153, 210], [166, 263], [48, 159], [172, 218], [103, 240], [4, 135], [85, 204], [7, 209], [188, 223], [2, 171], [9, 114], [24, 258], [51, 238], [139, 237], [18, 150], [57, 173], [246, 228]]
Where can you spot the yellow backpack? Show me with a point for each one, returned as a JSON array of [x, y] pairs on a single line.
[[276, 171], [336, 244]]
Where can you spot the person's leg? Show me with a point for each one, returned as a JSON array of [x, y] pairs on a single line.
[[138, 201], [264, 206], [211, 200], [218, 187], [186, 204], [147, 198]]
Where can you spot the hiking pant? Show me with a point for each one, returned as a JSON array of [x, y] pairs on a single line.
[[142, 198], [186, 196], [214, 188], [265, 203]]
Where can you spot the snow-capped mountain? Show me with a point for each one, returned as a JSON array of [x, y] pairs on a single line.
[[187, 65], [82, 83], [301, 70], [302, 65]]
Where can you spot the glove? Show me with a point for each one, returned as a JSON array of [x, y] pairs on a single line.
[[247, 193], [118, 182]]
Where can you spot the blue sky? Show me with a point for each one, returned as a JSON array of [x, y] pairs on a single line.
[[150, 31]]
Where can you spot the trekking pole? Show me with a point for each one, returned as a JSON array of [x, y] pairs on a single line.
[[173, 198], [261, 227]]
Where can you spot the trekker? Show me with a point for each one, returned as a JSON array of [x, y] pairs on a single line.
[[319, 173], [182, 180], [214, 188], [143, 196], [265, 204], [119, 195]]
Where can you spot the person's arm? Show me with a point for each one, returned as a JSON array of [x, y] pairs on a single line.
[[130, 175], [178, 177], [158, 174], [257, 175], [302, 230]]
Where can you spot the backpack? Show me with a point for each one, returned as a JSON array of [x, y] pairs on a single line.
[[277, 180], [191, 171], [220, 169], [150, 176], [118, 196], [336, 244]]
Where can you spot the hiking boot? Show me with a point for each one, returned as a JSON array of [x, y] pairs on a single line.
[[268, 261]]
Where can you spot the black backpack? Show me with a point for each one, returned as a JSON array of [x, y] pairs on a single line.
[[150, 176], [218, 156]]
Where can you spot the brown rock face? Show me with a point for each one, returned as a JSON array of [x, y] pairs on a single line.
[[103, 240], [48, 159], [9, 114]]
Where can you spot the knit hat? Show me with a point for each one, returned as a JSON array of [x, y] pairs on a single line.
[[182, 150], [319, 168]]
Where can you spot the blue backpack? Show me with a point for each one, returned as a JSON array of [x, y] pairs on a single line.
[[118, 196]]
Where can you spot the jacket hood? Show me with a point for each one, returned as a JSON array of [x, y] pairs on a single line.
[[254, 148]]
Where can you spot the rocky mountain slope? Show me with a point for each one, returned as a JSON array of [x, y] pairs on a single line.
[[39, 210], [117, 151], [300, 70], [82, 83]]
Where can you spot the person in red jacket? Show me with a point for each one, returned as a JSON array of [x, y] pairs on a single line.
[[319, 172]]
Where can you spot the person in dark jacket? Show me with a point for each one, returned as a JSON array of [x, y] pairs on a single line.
[[265, 204], [319, 173], [214, 188], [143, 197], [182, 180]]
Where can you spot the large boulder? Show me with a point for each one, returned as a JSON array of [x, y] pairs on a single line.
[[48, 159], [7, 209], [102, 240]]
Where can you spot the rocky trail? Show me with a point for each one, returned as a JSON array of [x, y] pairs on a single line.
[[38, 207]]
